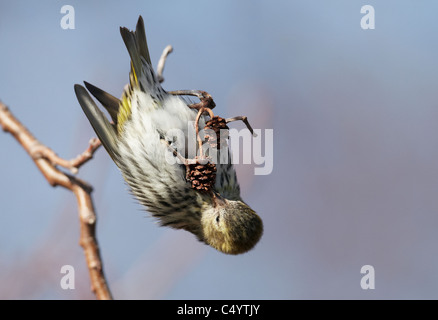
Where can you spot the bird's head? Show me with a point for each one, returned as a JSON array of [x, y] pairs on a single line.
[[231, 226]]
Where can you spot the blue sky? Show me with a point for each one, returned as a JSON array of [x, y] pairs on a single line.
[[355, 175]]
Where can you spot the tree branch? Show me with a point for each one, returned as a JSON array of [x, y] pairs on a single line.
[[162, 62], [46, 161], [74, 164]]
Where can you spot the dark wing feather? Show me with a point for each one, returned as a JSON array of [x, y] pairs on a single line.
[[110, 102], [104, 129]]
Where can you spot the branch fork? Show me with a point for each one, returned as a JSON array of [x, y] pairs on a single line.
[[46, 161]]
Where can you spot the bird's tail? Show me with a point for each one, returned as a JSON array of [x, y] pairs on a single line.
[[142, 76]]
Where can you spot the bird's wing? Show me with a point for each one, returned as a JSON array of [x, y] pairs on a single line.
[[103, 128]]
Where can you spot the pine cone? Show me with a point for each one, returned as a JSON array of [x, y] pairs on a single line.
[[201, 176], [216, 124]]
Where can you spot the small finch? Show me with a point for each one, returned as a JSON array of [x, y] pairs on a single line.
[[203, 199]]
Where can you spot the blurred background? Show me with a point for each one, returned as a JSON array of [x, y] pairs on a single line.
[[355, 119]]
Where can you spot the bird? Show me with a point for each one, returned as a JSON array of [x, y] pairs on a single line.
[[137, 139]]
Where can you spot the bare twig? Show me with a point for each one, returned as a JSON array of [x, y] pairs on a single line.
[[245, 121], [200, 112], [162, 62], [74, 164], [206, 100], [45, 159]]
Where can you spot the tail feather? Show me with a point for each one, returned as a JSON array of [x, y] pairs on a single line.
[[137, 46], [131, 45], [142, 79], [142, 74], [140, 37]]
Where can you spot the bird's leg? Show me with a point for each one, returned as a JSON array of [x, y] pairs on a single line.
[[201, 152], [185, 161], [198, 137]]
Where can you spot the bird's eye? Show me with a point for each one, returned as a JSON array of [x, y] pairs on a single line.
[[217, 219]]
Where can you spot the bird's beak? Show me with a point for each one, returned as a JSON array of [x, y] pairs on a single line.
[[218, 200]]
